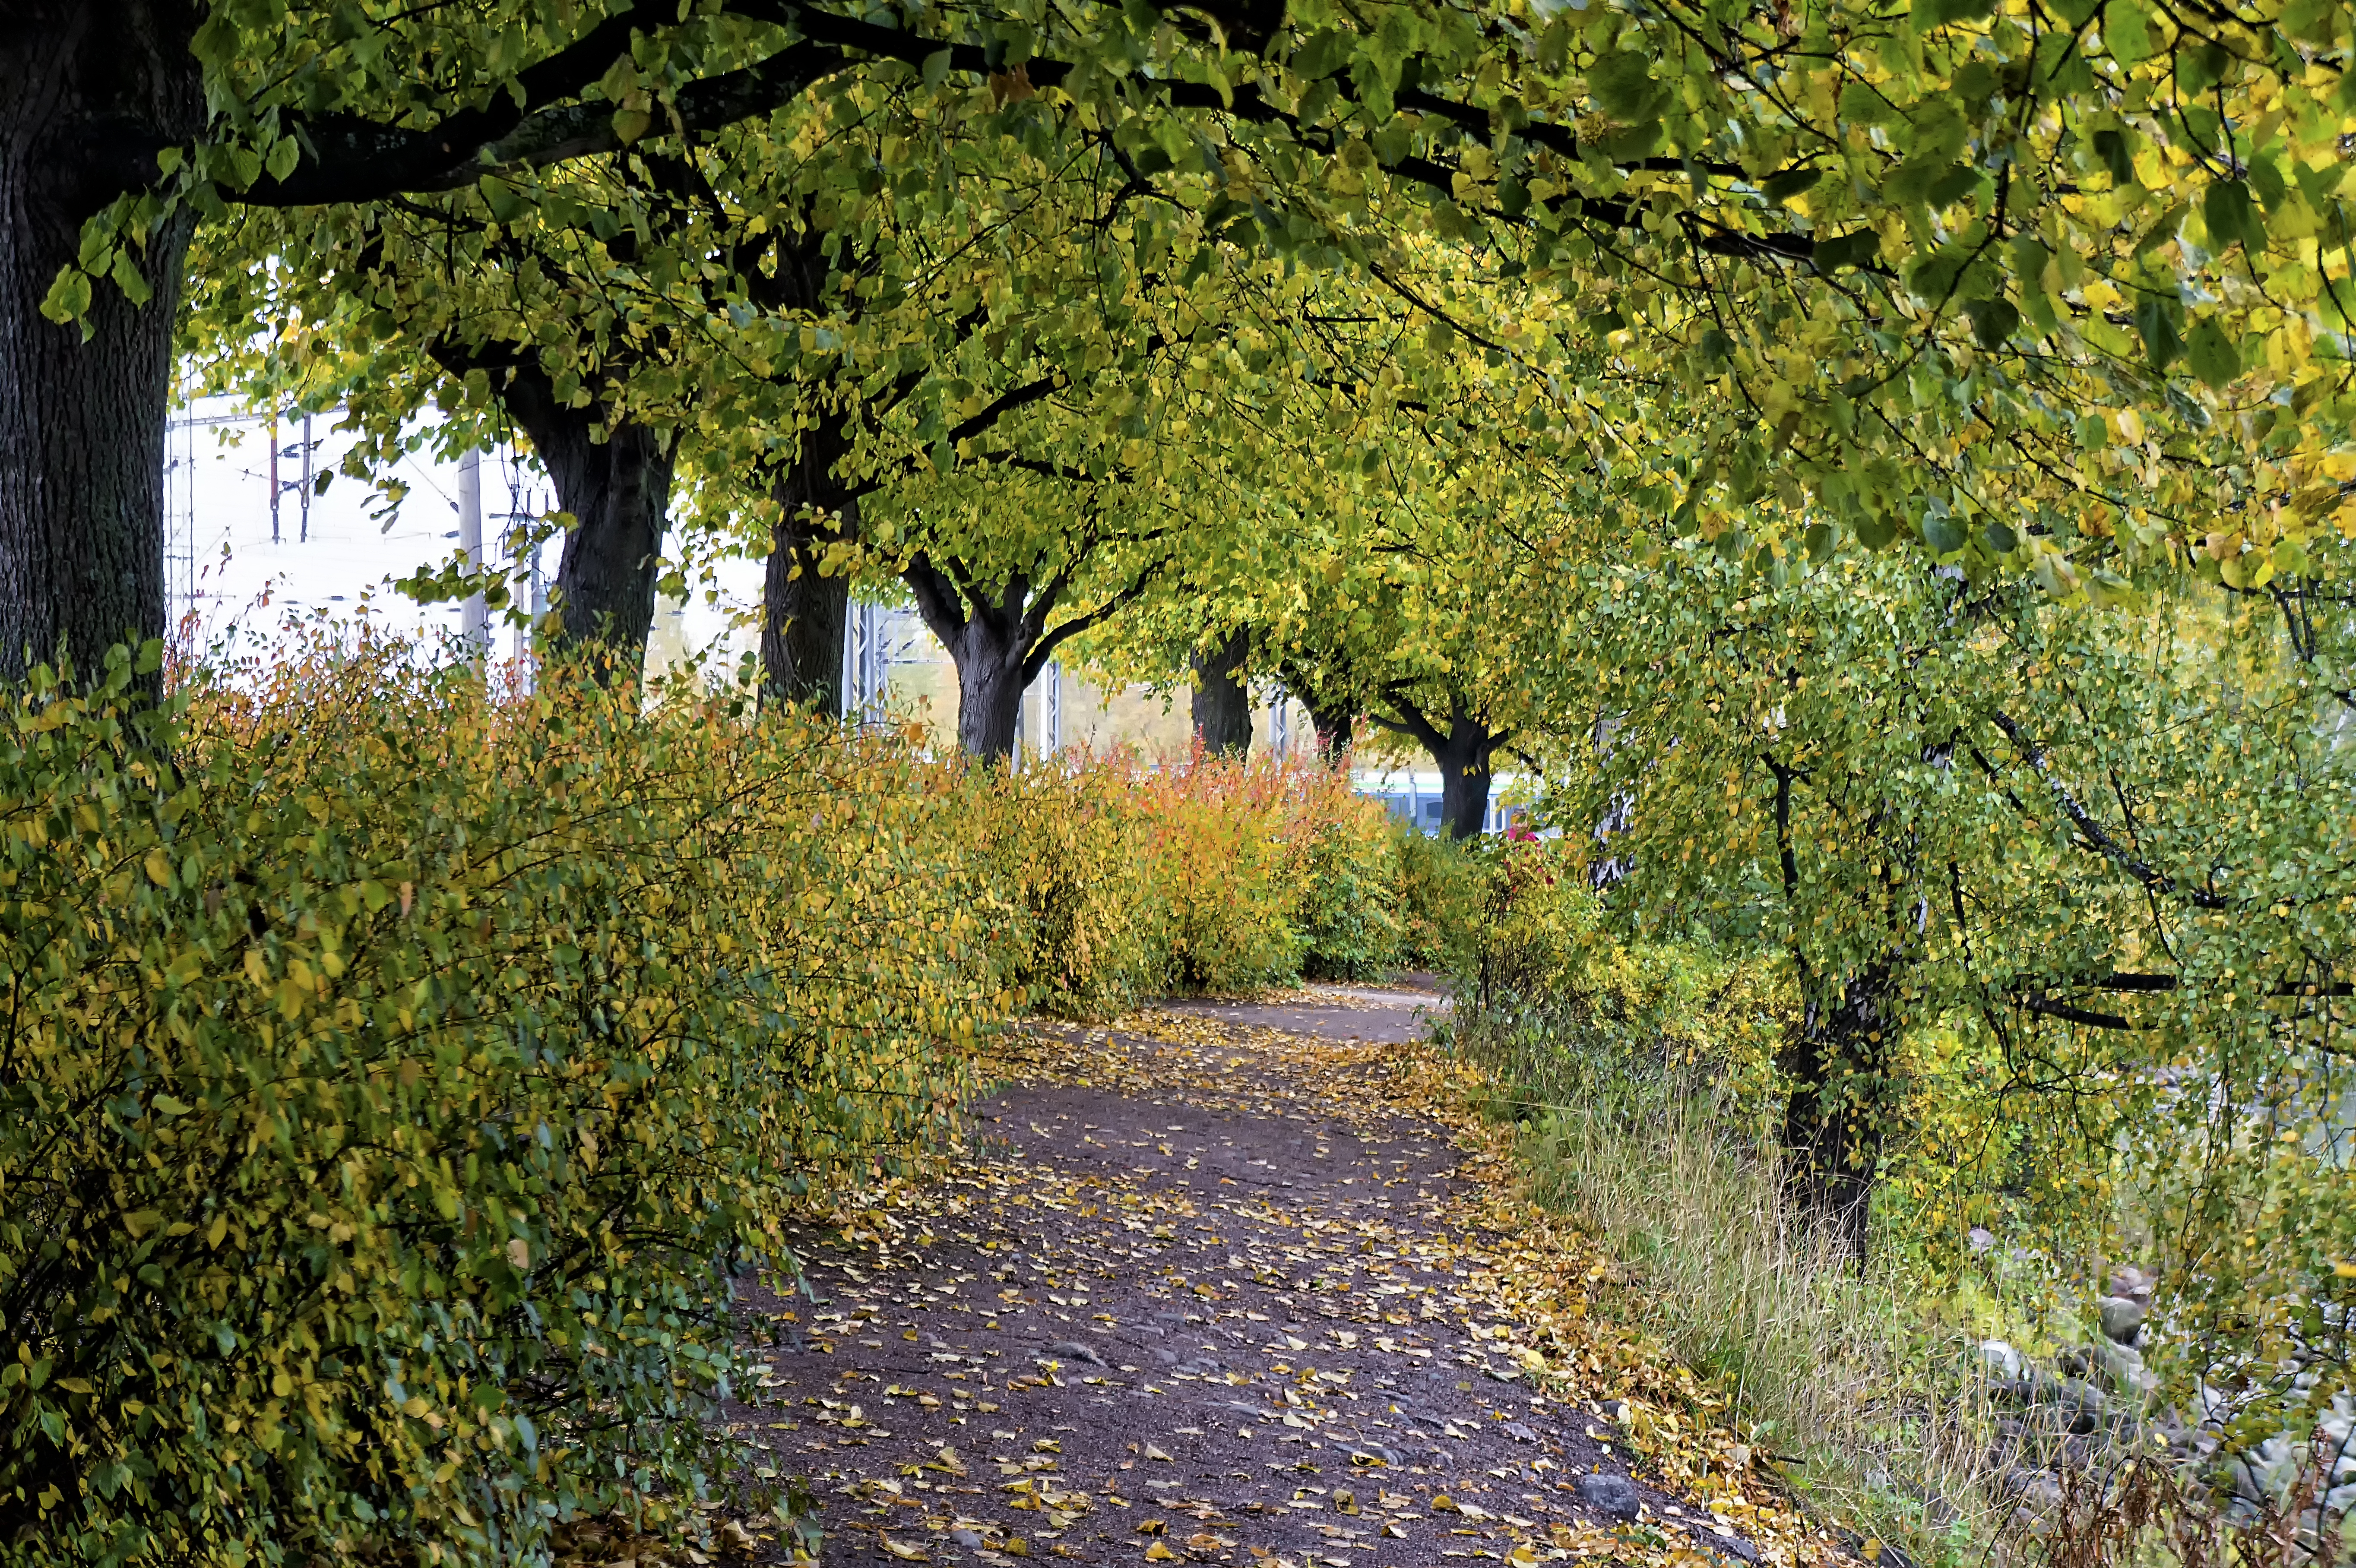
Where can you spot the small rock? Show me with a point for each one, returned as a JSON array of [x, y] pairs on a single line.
[[1980, 1238], [966, 1538], [1073, 1351], [1614, 1497], [1521, 1432], [2134, 1283], [2121, 1368], [2123, 1317], [2002, 1358]]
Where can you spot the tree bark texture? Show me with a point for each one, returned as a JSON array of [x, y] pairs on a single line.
[[618, 490], [1222, 706], [1465, 777], [83, 88], [803, 614], [1838, 1067], [1336, 730]]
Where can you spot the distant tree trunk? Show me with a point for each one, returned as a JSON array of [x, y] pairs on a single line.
[[1837, 1066], [1222, 706], [804, 614], [1463, 753], [618, 490], [84, 86], [991, 640], [1336, 728]]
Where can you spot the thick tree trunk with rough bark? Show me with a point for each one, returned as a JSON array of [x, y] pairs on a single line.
[[1222, 707], [618, 490], [1838, 1069], [804, 614], [87, 90], [989, 689], [804, 617], [1464, 775]]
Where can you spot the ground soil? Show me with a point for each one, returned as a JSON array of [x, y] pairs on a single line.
[[1192, 1295]]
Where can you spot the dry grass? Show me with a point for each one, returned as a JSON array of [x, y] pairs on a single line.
[[1881, 1423]]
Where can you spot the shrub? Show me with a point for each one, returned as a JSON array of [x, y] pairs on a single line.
[[1346, 861], [392, 1078], [1442, 887], [1228, 881], [1076, 916]]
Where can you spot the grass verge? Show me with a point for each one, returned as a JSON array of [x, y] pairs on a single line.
[[1875, 1416]]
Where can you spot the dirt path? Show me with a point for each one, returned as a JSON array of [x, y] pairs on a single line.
[[1200, 1299]]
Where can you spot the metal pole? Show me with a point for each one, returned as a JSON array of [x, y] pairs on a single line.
[[273, 476], [306, 498], [475, 618]]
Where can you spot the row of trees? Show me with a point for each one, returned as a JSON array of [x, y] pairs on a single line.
[[2057, 290], [1847, 448]]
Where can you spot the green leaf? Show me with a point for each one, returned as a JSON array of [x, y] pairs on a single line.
[[2155, 318], [1993, 321], [2211, 353], [2231, 214], [1621, 82], [1857, 249], [129, 279], [2115, 149], [2127, 31], [283, 155], [1788, 183], [68, 295], [936, 67]]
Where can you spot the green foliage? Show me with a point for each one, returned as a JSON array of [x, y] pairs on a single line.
[[395, 1079], [1353, 884], [1079, 916], [1443, 884]]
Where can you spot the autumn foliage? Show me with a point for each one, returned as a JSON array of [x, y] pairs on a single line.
[[398, 1076]]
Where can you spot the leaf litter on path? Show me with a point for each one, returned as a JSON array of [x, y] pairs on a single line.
[[1196, 1289]]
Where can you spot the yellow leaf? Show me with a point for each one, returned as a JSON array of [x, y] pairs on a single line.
[[158, 868], [1157, 1552], [905, 1551]]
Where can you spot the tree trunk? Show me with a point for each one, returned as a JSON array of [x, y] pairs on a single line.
[[1464, 786], [1336, 728], [1464, 754], [1838, 1067], [1222, 706], [804, 617], [804, 614], [87, 90], [618, 490], [990, 691], [990, 642]]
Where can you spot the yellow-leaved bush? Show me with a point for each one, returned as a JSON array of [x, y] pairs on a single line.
[[394, 1079], [398, 1074], [1124, 876]]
